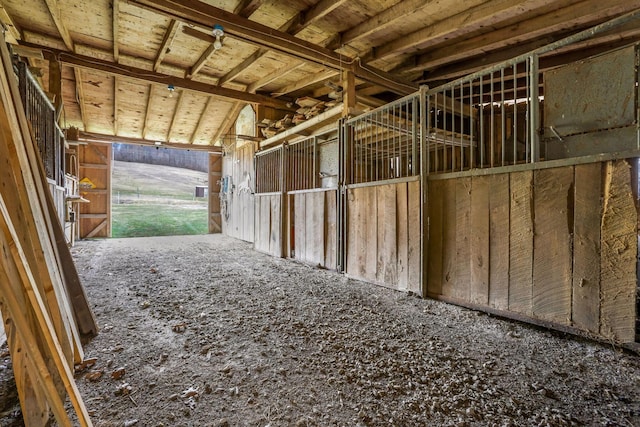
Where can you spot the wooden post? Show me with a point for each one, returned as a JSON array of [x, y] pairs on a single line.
[[349, 97]]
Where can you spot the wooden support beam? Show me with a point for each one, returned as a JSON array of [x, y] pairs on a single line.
[[108, 67], [201, 120], [242, 66], [145, 126], [176, 111], [56, 15], [349, 93], [195, 69], [55, 85], [115, 22], [202, 15], [12, 34], [167, 41], [115, 104], [312, 79], [229, 119], [97, 137], [80, 96]]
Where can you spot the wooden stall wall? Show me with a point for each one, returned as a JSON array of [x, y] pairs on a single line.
[[553, 245], [268, 223], [95, 186], [215, 177], [237, 202], [383, 235], [312, 227]]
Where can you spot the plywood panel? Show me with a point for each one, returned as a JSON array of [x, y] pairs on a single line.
[[553, 224], [435, 223], [387, 258], [479, 289], [275, 243], [586, 247], [499, 202], [300, 234], [370, 237], [521, 242], [619, 245], [415, 239], [354, 226], [449, 215], [315, 227], [463, 233], [330, 229], [402, 225]]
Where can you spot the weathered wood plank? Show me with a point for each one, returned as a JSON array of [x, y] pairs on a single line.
[[435, 233], [275, 244], [402, 219], [315, 227], [521, 242], [370, 237], [619, 246], [299, 226], [586, 247], [462, 280], [499, 241], [330, 249], [387, 258], [354, 226], [479, 232], [415, 239], [449, 216], [552, 255]]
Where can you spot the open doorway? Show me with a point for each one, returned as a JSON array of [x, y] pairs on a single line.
[[158, 191]]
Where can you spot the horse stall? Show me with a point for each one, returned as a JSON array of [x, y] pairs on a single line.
[[312, 195], [382, 200], [270, 201], [538, 220]]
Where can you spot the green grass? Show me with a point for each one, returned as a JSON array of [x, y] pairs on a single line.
[[157, 220]]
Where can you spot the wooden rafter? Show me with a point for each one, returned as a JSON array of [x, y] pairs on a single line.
[[80, 96], [201, 14], [227, 122], [195, 69], [109, 67], [176, 111], [280, 72], [549, 23], [167, 40], [317, 12], [13, 32], [201, 120], [145, 126], [246, 7], [312, 79], [54, 11], [115, 18], [242, 66]]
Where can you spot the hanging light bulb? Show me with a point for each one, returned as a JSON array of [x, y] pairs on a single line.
[[171, 89], [218, 32]]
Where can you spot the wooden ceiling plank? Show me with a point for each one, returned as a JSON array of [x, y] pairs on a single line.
[[97, 137], [317, 12], [13, 33], [312, 79], [275, 75], [195, 69], [201, 120], [167, 41], [470, 20], [109, 67], [54, 11], [176, 111], [80, 97], [246, 7], [203, 15], [379, 22], [593, 11], [145, 126], [227, 122], [116, 17]]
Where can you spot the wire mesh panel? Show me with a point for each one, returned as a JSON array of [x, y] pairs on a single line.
[[302, 165], [487, 119], [383, 144], [269, 177]]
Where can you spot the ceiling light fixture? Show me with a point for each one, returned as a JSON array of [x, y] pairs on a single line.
[[171, 89], [218, 32]]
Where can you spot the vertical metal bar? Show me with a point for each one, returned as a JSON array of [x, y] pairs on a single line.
[[472, 125], [492, 138], [481, 104], [528, 113], [444, 127], [535, 109], [502, 118], [425, 120], [515, 114], [462, 126]]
